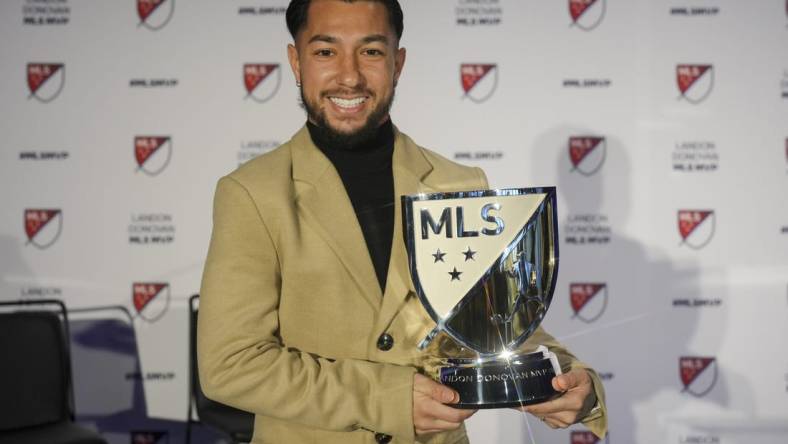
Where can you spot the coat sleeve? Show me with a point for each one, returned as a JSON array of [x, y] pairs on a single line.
[[242, 361], [596, 420]]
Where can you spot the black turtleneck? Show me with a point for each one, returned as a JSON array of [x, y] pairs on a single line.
[[366, 172]]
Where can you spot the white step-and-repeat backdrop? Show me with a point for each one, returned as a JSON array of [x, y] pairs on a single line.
[[664, 124]]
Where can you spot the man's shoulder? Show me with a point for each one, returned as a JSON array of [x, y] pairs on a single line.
[[445, 165], [445, 170], [267, 169]]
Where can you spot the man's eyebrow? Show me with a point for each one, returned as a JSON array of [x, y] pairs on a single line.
[[375, 38], [331, 39], [322, 38]]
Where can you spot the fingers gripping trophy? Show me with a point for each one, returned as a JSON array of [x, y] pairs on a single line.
[[484, 266]]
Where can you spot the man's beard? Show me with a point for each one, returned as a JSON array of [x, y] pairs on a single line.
[[353, 139]]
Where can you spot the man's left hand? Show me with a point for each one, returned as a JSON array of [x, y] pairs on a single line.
[[577, 400]]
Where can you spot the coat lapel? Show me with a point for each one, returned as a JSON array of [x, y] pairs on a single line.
[[324, 205], [410, 169]]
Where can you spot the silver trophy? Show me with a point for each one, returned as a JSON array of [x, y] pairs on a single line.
[[484, 265]]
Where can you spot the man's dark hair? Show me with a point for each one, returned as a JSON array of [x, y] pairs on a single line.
[[297, 13]]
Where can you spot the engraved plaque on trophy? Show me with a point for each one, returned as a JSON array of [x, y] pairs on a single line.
[[484, 266]]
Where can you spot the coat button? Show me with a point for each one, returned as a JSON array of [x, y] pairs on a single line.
[[385, 342], [382, 438]]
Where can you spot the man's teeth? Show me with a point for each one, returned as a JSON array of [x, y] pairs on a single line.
[[348, 103]]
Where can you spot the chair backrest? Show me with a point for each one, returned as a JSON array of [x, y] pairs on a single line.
[[237, 423], [35, 372]]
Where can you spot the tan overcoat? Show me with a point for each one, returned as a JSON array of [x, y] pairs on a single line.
[[291, 310]]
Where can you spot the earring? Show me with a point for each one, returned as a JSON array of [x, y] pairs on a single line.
[[298, 84]]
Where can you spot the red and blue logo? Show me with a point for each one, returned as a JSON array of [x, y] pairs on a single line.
[[45, 81], [150, 299], [587, 14], [698, 374], [152, 153], [155, 14], [587, 154], [255, 76], [696, 227], [588, 300], [43, 226], [479, 80], [695, 82]]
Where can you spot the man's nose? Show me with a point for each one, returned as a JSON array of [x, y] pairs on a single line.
[[349, 73]]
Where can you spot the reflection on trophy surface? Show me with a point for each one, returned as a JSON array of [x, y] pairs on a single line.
[[487, 281]]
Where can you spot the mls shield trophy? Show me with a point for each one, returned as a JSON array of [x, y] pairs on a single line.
[[484, 266]]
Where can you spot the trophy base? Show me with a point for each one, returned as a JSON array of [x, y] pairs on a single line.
[[515, 381]]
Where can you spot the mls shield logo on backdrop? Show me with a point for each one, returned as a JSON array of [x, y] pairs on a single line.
[[696, 227], [587, 154], [698, 374], [479, 80], [149, 437], [587, 14], [588, 300], [695, 82], [45, 80], [152, 153], [259, 86], [585, 437], [43, 226], [150, 299], [155, 14]]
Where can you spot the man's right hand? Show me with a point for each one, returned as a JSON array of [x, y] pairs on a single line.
[[430, 414]]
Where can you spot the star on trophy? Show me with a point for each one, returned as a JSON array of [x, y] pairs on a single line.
[[484, 266]]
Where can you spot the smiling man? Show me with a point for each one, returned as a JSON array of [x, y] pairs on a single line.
[[308, 317]]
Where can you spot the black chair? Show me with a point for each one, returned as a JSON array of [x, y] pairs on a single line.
[[237, 424], [36, 389]]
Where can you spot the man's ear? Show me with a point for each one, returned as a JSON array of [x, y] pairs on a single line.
[[295, 65], [399, 63]]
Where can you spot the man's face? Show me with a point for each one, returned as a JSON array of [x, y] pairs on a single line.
[[347, 60]]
